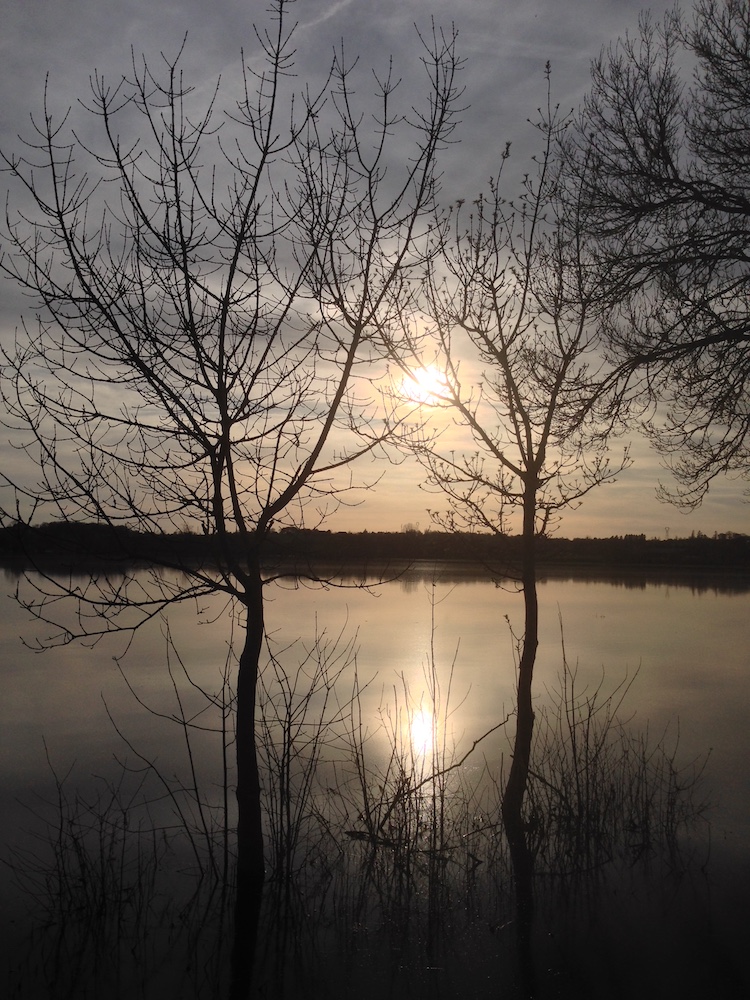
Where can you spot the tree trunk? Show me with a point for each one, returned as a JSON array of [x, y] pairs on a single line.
[[250, 858], [522, 860], [250, 862]]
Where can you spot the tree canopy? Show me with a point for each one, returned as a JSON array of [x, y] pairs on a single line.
[[660, 158]]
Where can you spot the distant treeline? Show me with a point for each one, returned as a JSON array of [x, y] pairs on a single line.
[[72, 546]]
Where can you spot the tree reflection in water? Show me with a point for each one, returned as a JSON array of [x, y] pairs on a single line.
[[389, 874]]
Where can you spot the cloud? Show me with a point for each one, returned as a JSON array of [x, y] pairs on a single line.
[[506, 46]]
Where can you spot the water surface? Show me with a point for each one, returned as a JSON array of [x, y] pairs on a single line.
[[684, 646]]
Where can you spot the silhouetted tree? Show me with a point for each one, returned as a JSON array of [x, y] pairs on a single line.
[[518, 366], [659, 156], [204, 287]]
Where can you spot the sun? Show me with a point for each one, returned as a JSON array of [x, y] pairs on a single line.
[[421, 728], [425, 385]]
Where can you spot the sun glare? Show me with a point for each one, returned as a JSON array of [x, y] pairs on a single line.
[[427, 385], [421, 732]]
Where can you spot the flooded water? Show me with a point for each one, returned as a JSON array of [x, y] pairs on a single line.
[[431, 659]]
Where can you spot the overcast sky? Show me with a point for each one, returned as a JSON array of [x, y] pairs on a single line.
[[505, 44]]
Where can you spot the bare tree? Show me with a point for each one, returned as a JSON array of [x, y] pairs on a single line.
[[661, 151], [518, 365], [205, 286]]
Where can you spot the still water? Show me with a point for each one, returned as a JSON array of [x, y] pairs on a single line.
[[684, 647], [690, 649]]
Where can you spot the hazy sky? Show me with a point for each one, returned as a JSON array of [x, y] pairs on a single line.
[[505, 45]]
